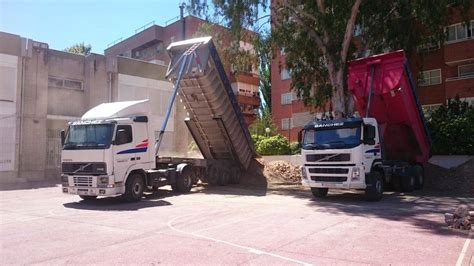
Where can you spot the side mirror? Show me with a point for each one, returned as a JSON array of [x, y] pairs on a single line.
[[63, 137], [369, 134], [300, 137]]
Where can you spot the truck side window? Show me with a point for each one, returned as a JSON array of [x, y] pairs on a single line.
[[369, 134], [123, 135]]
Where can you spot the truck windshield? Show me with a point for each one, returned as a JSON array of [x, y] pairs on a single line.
[[82, 137], [332, 138]]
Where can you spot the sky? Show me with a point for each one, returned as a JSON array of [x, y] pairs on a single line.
[[62, 23]]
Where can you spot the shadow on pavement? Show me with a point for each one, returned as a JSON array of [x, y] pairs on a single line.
[[423, 209], [117, 204]]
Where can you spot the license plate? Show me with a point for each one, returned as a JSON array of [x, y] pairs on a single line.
[[82, 191]]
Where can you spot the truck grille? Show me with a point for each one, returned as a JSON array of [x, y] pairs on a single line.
[[343, 157], [84, 168], [328, 170], [329, 178], [83, 181]]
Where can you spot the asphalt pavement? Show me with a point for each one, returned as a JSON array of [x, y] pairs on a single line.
[[230, 225]]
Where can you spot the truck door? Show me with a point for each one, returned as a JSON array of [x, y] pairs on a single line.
[[124, 150]]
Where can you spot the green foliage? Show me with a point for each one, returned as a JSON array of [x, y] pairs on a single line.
[[263, 46], [295, 148], [452, 128], [264, 121], [274, 145], [79, 48]]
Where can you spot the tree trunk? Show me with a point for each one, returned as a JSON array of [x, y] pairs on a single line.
[[338, 100]]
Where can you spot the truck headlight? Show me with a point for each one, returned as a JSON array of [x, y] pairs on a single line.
[[64, 180], [103, 180], [355, 173], [303, 172]]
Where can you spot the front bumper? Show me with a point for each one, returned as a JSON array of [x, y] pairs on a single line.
[[319, 180], [88, 186]]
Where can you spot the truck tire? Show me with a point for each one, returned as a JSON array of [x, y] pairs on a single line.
[[134, 188], [184, 181], [88, 198], [407, 183], [375, 187], [419, 177], [319, 192], [224, 178], [235, 175], [213, 174]]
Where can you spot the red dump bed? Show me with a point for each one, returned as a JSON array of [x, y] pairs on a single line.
[[393, 103]]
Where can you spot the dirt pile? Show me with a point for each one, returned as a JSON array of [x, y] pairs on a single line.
[[282, 172], [459, 180], [261, 172]]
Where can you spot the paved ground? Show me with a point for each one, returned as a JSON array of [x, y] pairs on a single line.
[[232, 225]]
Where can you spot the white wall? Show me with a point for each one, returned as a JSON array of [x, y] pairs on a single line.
[[8, 89]]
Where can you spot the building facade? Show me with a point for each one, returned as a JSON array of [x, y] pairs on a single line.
[[42, 89], [444, 70]]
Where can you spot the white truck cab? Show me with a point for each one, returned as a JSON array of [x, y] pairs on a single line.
[[341, 154], [101, 149]]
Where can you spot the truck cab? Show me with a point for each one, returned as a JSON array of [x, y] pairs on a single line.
[[340, 154], [104, 147]]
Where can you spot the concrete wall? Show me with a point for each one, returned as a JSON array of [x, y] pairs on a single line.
[[42, 89]]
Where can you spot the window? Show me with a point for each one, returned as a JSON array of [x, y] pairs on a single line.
[[469, 100], [286, 123], [123, 135], [287, 98], [285, 74], [64, 83], [430, 77], [466, 70], [460, 31], [282, 51]]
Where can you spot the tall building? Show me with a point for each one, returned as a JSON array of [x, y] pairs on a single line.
[[444, 70], [150, 45]]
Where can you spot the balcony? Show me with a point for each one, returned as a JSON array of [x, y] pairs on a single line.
[[252, 99], [459, 51], [461, 86]]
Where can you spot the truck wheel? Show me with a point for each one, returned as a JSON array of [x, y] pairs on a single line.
[[213, 175], [235, 175], [319, 192], [374, 189], [134, 188], [224, 178], [88, 198], [407, 183], [419, 177], [184, 181]]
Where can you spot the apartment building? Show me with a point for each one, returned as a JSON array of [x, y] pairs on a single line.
[[444, 70], [150, 45]]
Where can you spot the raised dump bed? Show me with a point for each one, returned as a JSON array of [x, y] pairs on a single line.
[[383, 85], [215, 120]]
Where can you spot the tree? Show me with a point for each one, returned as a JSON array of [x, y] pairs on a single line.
[[264, 49], [317, 36], [79, 48]]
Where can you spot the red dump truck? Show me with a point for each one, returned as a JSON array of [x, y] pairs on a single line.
[[385, 147]]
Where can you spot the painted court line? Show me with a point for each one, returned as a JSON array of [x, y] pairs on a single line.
[[464, 250], [248, 249]]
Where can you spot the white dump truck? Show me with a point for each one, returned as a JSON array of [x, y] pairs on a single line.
[[111, 150]]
